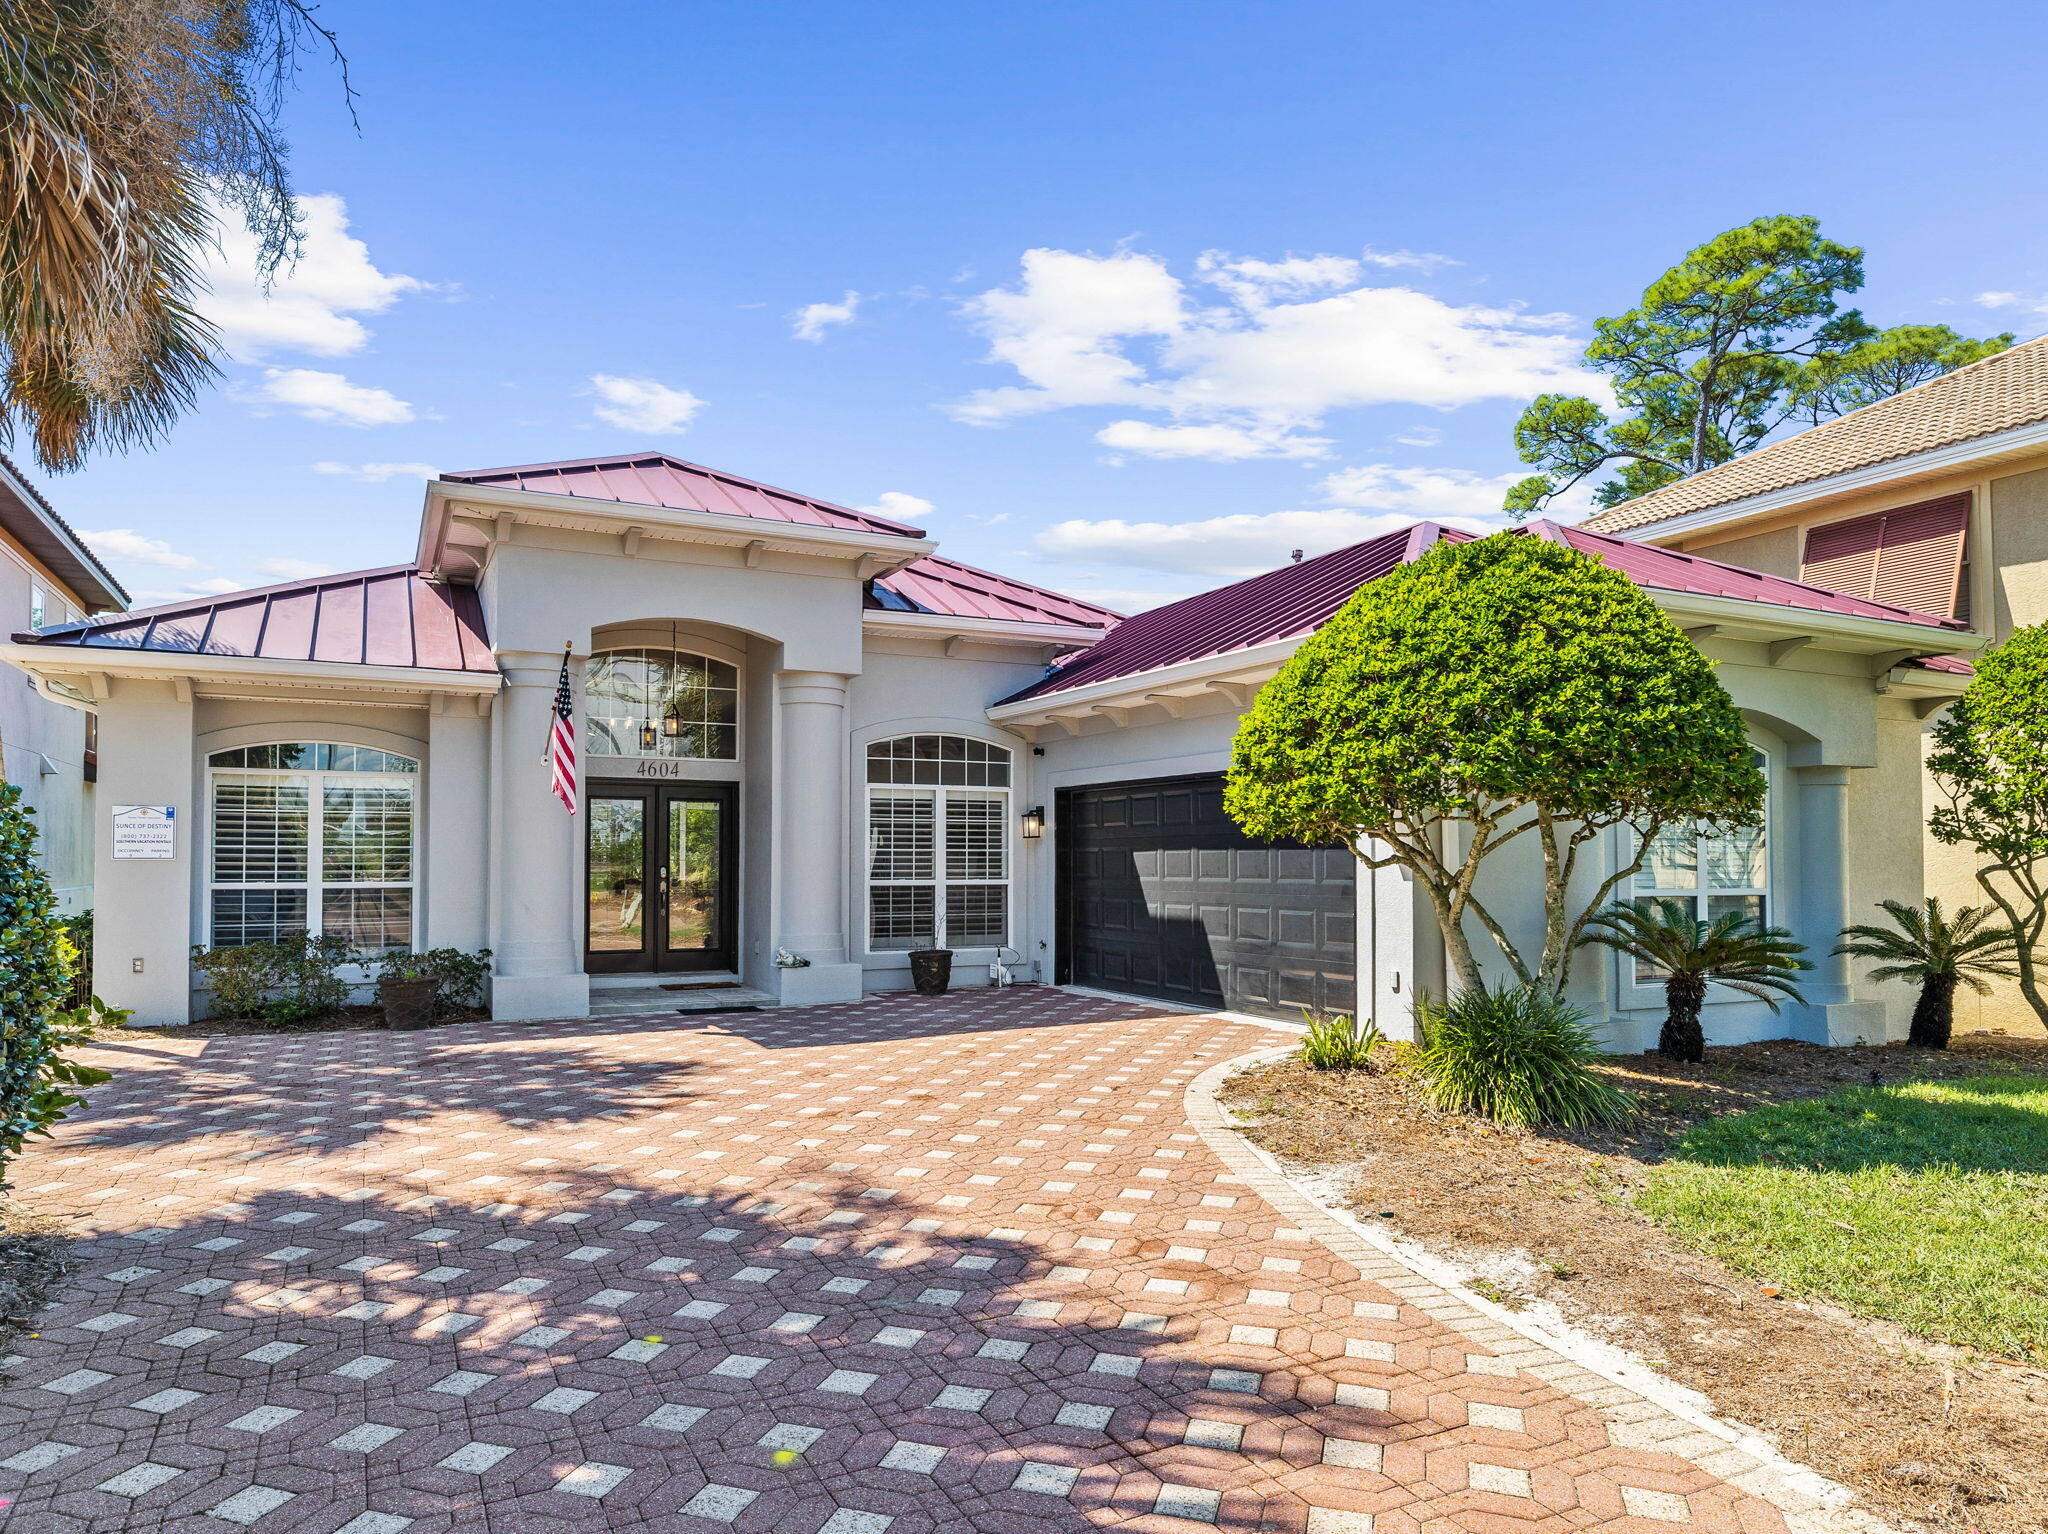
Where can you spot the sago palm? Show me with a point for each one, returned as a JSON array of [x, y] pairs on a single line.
[[1938, 951], [1693, 952], [123, 124]]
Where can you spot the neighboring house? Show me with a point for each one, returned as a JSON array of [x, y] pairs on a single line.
[[49, 577], [805, 733], [1935, 499]]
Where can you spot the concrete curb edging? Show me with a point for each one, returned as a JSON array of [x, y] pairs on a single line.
[[1643, 1409]]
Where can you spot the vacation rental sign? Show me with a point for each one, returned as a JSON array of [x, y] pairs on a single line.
[[145, 831]]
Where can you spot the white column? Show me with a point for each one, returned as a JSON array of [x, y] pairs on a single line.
[[142, 918], [537, 956], [812, 851], [454, 855], [1820, 908]]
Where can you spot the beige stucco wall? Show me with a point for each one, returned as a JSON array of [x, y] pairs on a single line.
[[1775, 552]]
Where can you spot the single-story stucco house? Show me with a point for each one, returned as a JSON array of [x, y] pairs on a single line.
[[808, 744]]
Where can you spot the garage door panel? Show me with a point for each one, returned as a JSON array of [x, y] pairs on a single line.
[[1162, 895]]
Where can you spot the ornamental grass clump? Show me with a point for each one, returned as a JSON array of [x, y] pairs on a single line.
[[1337, 1042], [1520, 1055]]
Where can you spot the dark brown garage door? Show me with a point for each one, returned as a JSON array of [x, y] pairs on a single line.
[[1160, 894]]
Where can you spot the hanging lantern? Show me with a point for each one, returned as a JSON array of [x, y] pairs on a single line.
[[671, 722], [648, 739]]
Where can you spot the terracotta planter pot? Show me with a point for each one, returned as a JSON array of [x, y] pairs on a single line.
[[931, 969], [407, 1003]]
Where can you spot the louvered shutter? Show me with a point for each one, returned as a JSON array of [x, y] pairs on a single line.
[[1911, 556]]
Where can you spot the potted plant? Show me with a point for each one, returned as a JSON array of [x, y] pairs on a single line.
[[931, 969], [406, 986]]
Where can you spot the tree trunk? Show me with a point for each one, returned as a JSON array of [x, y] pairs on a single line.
[[1681, 1037], [1934, 1014]]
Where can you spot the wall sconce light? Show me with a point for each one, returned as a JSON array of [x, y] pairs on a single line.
[[1034, 823]]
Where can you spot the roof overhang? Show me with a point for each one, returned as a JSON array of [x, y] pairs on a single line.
[[81, 676], [1888, 647], [1903, 472], [1064, 636], [459, 552], [28, 517]]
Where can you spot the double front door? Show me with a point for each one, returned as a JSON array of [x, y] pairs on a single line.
[[660, 861]]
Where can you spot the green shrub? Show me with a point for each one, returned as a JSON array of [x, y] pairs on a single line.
[[78, 930], [1520, 1055], [286, 981], [1335, 1042], [458, 976], [35, 980]]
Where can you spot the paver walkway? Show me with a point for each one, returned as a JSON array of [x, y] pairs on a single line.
[[906, 1265]]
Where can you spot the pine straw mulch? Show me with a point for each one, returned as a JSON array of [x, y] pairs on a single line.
[[35, 1252], [1926, 1435]]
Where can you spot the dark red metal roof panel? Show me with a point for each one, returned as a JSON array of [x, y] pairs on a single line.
[[656, 479], [935, 585], [389, 617], [1299, 598]]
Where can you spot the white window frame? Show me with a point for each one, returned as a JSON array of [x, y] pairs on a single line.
[[316, 885], [942, 797], [630, 747], [1650, 991]]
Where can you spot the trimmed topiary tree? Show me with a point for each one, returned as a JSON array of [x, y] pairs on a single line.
[[1990, 762], [1495, 689], [35, 984]]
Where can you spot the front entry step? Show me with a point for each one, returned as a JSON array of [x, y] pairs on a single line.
[[653, 1001]]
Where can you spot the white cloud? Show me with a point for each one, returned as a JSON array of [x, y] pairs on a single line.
[[308, 307], [282, 569], [812, 321], [376, 473], [1217, 441], [329, 397], [642, 404], [1232, 546], [1293, 341], [1420, 494], [1122, 599], [125, 546], [900, 506], [2037, 304], [1422, 260], [1419, 436]]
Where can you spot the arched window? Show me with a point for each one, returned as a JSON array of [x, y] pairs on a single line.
[[659, 702], [311, 837], [938, 843]]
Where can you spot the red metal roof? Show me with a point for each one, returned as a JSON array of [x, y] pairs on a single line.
[[935, 585], [1297, 599], [390, 617], [655, 479]]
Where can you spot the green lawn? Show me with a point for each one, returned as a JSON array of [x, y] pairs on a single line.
[[1924, 1204]]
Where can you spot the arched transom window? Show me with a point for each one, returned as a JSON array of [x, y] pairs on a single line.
[[311, 837], [659, 702], [938, 843]]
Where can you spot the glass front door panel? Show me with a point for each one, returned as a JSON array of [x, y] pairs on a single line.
[[696, 839], [618, 873]]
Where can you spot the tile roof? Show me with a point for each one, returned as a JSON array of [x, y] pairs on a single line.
[[1295, 600], [935, 585], [390, 617], [656, 479], [1995, 395]]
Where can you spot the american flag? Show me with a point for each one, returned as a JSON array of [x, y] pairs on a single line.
[[562, 741]]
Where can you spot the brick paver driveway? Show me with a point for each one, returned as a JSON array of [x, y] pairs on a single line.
[[950, 1264]]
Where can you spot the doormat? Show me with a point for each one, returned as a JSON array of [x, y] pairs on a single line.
[[704, 985], [713, 1011]]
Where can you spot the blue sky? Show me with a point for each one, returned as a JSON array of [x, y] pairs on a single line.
[[1147, 294]]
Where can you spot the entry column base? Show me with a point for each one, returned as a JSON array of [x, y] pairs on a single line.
[[539, 998], [816, 984], [1840, 1022]]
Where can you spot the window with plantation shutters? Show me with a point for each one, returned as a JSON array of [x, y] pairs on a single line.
[[938, 843], [1911, 556]]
